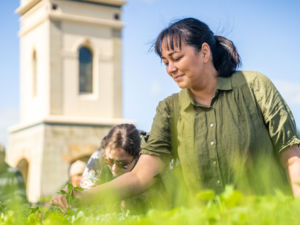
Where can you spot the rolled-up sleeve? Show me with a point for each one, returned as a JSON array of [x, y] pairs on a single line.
[[277, 115], [159, 141]]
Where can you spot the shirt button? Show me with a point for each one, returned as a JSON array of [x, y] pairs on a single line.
[[214, 162], [211, 125], [218, 182], [212, 143]]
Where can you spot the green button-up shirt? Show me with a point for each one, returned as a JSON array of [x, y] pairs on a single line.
[[236, 140]]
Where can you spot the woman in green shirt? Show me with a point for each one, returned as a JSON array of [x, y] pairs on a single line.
[[224, 127]]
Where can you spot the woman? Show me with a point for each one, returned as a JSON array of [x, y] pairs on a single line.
[[118, 154], [232, 127], [223, 126]]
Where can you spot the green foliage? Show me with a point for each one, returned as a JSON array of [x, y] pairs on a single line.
[[229, 207], [70, 193]]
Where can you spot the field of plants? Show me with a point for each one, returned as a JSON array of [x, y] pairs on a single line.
[[230, 207]]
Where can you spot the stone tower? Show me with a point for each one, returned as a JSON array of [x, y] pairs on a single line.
[[70, 85]]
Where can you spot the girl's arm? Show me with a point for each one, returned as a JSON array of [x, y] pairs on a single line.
[[128, 184]]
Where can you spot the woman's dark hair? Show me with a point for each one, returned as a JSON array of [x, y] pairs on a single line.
[[124, 136], [193, 32]]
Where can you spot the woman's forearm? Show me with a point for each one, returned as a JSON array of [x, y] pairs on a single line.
[[122, 187], [290, 159]]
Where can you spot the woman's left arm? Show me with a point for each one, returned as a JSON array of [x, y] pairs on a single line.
[[281, 126], [290, 159]]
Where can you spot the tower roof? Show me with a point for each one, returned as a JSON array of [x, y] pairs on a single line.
[[28, 4]]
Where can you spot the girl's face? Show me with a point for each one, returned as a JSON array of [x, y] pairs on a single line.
[[119, 160], [75, 179], [184, 65]]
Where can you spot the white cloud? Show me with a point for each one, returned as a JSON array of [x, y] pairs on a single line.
[[8, 117], [290, 91]]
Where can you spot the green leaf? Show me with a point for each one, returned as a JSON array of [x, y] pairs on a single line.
[[70, 187], [231, 197], [62, 192], [208, 195], [78, 189]]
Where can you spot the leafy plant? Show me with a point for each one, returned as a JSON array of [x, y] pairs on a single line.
[[71, 200], [229, 207]]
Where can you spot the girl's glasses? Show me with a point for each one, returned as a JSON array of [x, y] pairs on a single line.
[[119, 164]]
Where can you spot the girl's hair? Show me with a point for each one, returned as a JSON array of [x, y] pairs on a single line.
[[193, 32], [124, 136]]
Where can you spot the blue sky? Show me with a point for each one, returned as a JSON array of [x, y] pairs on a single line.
[[266, 34]]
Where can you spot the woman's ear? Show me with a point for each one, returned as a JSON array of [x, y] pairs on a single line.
[[205, 52]]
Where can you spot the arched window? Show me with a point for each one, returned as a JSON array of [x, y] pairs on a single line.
[[34, 74], [85, 70]]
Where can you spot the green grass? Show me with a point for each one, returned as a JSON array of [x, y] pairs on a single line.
[[230, 207]]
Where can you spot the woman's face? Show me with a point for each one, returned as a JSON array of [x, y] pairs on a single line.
[[119, 160], [184, 65]]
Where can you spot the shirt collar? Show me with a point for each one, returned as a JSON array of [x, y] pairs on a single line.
[[186, 100], [186, 97], [224, 84]]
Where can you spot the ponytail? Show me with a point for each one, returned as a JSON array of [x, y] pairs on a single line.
[[225, 56]]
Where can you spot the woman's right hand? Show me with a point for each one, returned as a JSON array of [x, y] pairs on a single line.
[[60, 201]]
